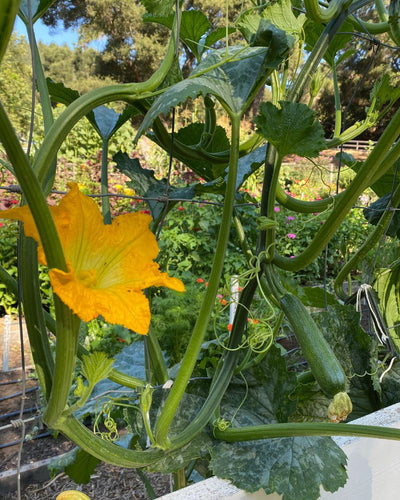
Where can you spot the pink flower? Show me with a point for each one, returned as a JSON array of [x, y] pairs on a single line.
[[277, 209], [291, 236], [289, 218]]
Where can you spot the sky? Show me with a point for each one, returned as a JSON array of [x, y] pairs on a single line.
[[48, 35]]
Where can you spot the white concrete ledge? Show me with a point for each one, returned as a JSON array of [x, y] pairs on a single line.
[[373, 469]]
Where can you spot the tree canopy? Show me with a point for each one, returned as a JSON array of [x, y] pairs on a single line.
[[132, 49]]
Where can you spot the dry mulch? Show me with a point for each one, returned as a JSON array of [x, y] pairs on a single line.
[[107, 483]]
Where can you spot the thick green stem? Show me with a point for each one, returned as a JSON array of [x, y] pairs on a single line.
[[378, 162], [40, 77], [313, 60], [65, 323], [34, 317], [304, 207], [106, 450], [33, 194], [66, 350], [87, 102], [305, 429], [270, 233], [157, 369], [323, 15], [338, 108], [224, 372], [370, 242], [369, 27], [270, 156], [179, 479], [105, 201], [196, 340], [381, 9]]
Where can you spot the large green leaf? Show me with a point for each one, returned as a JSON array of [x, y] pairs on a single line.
[[82, 468], [145, 184], [233, 76], [252, 24], [387, 286], [130, 360], [313, 32], [355, 350], [193, 28], [105, 120], [187, 410], [78, 464], [311, 296], [270, 386], [161, 8], [191, 136], [312, 403], [247, 165], [383, 92], [374, 212], [391, 385], [383, 185], [214, 37], [279, 465], [293, 467], [292, 128], [36, 9], [194, 24]]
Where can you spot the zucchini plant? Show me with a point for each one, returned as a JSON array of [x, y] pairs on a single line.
[[225, 421]]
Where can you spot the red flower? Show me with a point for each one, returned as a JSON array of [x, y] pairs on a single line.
[[200, 280]]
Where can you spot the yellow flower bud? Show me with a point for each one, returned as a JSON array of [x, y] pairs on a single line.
[[340, 407]]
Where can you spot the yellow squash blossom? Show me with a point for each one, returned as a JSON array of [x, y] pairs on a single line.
[[72, 495], [109, 265]]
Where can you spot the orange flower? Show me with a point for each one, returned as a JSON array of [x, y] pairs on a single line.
[[108, 265]]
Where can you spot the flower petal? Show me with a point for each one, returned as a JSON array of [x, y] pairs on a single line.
[[24, 215], [108, 264], [118, 304]]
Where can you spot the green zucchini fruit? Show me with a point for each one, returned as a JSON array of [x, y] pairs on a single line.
[[319, 355]]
